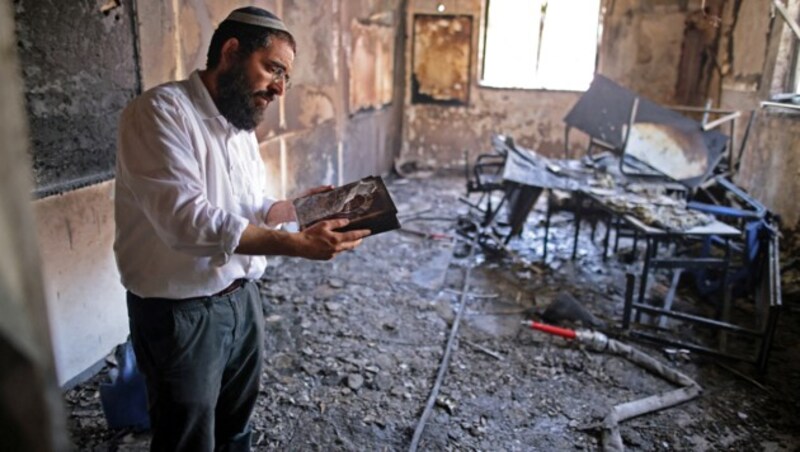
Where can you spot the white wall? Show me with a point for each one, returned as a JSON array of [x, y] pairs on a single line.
[[85, 300]]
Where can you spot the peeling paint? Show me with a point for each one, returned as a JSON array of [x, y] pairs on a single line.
[[371, 65]]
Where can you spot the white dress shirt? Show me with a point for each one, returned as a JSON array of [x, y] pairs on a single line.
[[187, 185]]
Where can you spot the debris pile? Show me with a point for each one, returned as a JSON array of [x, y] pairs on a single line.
[[354, 346]]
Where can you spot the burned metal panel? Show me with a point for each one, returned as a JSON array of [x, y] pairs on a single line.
[[441, 59], [76, 84], [311, 159], [679, 154], [603, 112], [312, 118], [371, 136], [371, 65]]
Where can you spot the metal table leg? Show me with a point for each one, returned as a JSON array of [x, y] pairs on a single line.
[[650, 244]]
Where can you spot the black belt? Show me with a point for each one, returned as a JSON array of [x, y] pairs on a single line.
[[236, 285]]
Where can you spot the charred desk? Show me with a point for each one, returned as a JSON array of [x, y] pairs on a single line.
[[593, 192], [524, 171], [760, 326], [654, 234]]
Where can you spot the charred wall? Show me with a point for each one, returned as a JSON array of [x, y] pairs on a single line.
[[441, 129], [734, 53], [80, 69], [341, 119], [323, 131], [771, 165], [641, 45], [31, 412], [640, 49], [756, 55]]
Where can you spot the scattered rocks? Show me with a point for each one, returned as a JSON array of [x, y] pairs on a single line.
[[355, 381], [354, 345]]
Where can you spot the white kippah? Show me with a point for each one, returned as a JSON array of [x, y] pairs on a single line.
[[259, 21]]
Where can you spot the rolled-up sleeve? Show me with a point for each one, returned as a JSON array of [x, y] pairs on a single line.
[[264, 210], [161, 168]]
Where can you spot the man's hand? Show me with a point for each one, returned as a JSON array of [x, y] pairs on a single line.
[[283, 211], [319, 242], [322, 242]]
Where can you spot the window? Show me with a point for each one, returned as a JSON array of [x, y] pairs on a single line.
[[541, 44]]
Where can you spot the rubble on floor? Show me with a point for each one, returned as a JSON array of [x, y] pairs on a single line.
[[354, 345]]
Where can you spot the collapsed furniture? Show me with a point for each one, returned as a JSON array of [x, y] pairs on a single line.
[[661, 179]]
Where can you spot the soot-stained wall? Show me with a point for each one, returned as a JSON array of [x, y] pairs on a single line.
[[641, 49], [321, 131], [80, 69], [79, 66], [756, 53], [437, 133]]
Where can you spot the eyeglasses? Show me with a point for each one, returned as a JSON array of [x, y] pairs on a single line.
[[279, 75]]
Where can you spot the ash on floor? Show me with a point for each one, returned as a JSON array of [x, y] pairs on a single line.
[[354, 346]]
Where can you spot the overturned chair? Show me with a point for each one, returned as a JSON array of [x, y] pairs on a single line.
[[486, 177]]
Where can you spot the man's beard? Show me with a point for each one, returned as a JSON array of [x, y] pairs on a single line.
[[237, 100]]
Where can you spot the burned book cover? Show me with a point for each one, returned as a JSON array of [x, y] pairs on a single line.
[[366, 203]]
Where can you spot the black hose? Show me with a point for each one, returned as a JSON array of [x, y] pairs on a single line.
[[448, 349]]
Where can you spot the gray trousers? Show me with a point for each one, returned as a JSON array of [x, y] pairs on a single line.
[[201, 359]]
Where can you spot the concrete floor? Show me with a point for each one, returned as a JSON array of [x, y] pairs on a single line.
[[354, 346]]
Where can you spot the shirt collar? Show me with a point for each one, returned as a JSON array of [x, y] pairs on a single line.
[[202, 98]]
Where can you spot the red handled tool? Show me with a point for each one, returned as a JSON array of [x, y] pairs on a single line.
[[550, 329]]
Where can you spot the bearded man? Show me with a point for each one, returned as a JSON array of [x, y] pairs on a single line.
[[194, 227]]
